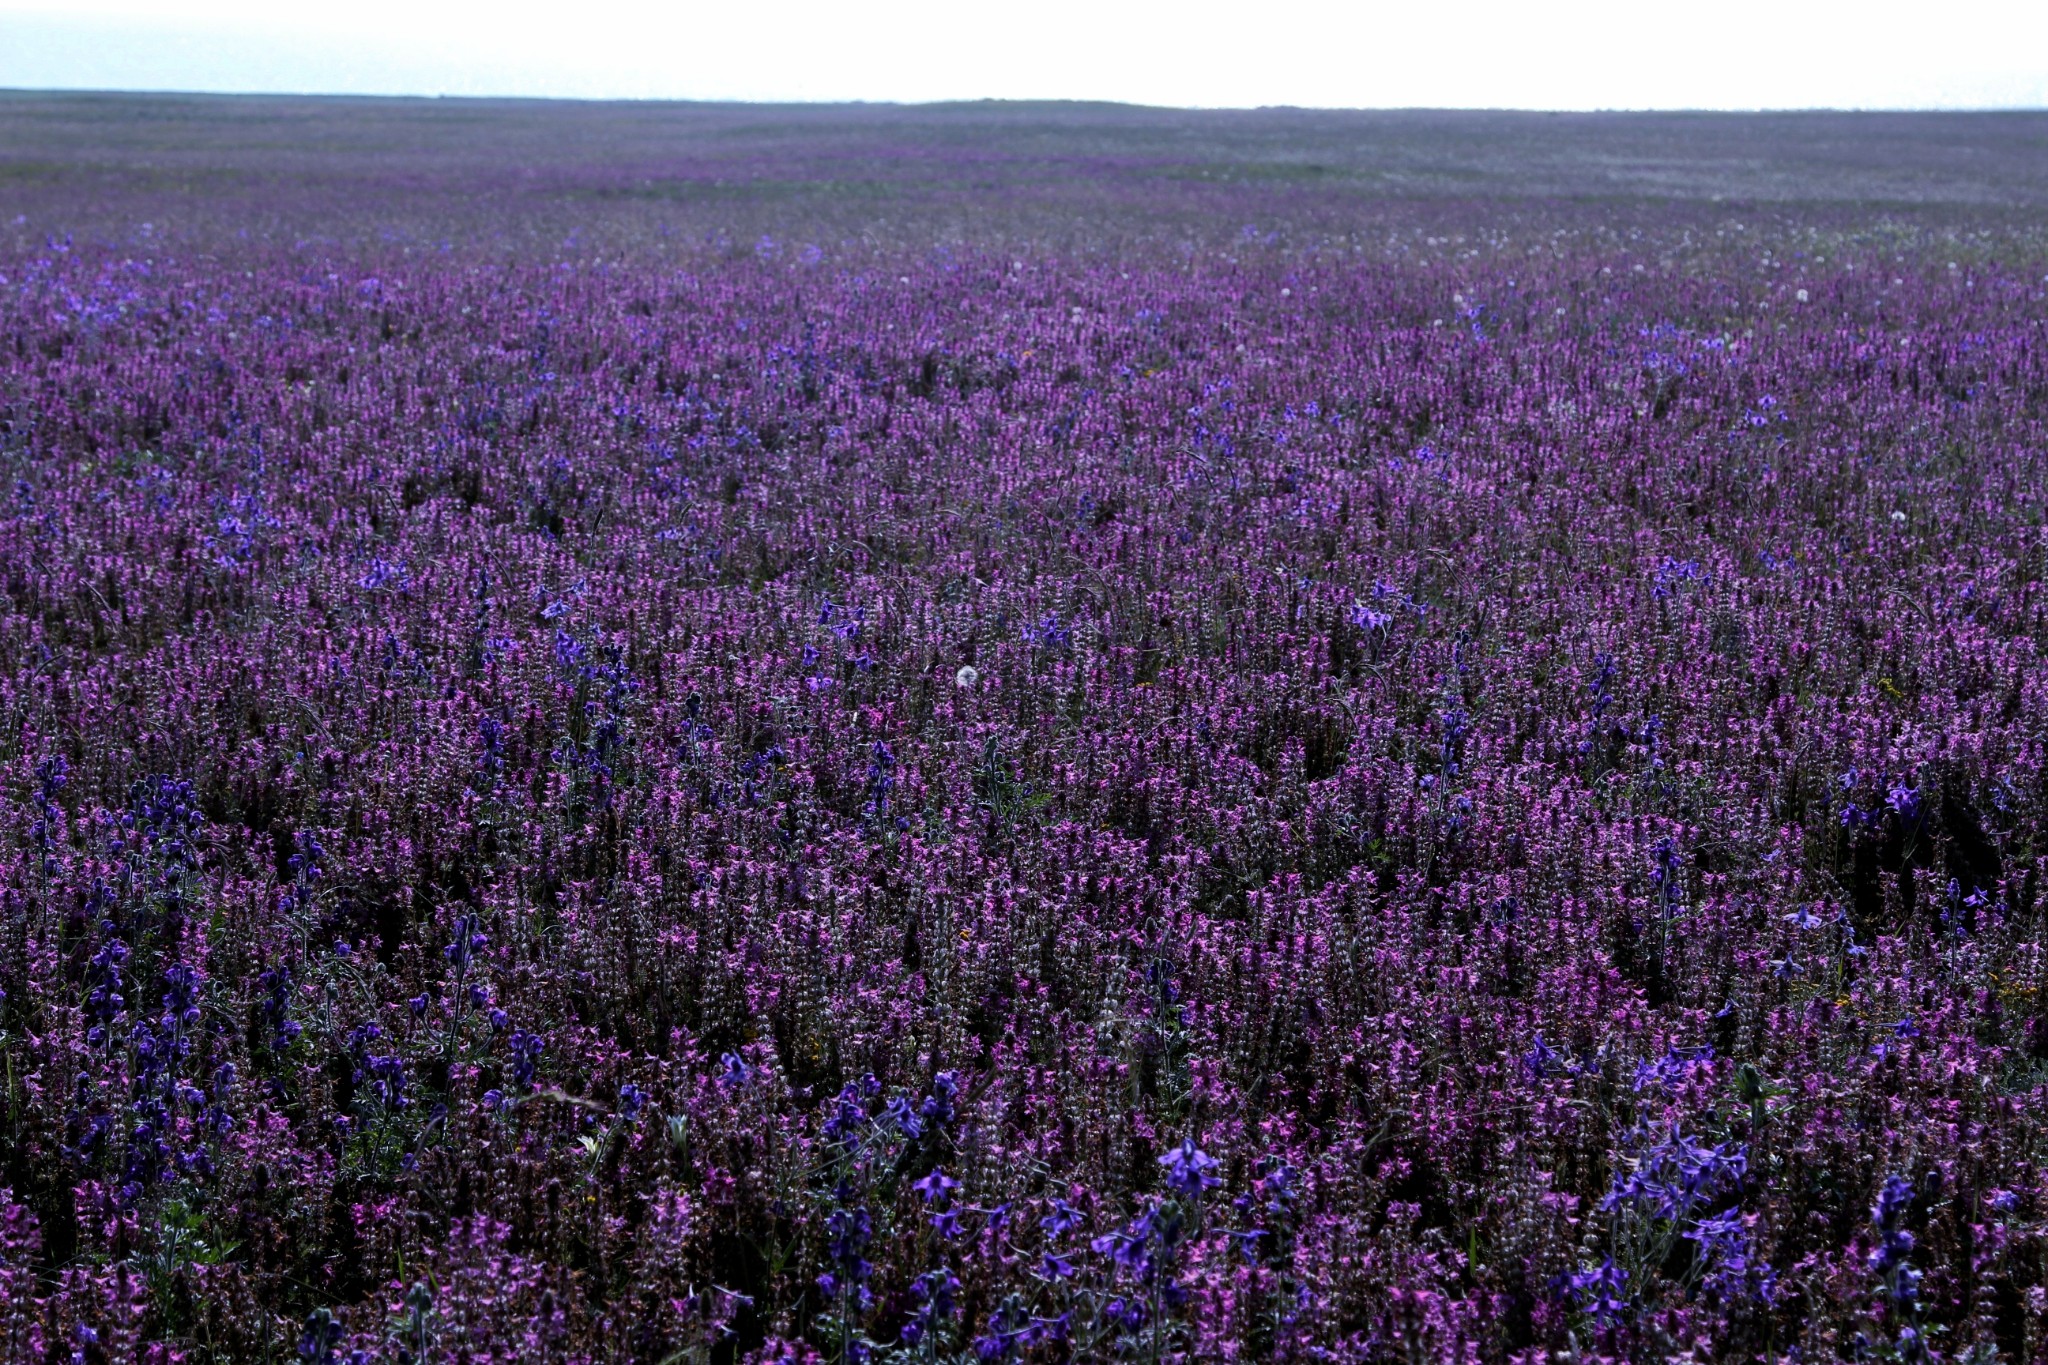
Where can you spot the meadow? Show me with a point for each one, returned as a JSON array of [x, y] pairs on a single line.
[[1020, 734]]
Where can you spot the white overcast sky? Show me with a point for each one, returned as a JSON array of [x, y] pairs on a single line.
[[1539, 54]]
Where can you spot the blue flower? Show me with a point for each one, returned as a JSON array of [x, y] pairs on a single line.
[[1678, 1175], [1367, 619], [848, 1232], [934, 1291], [1063, 1219], [937, 1187], [1723, 1240], [1601, 1291], [903, 1118], [526, 1050], [1892, 1203], [1188, 1169], [322, 1335], [938, 1106]]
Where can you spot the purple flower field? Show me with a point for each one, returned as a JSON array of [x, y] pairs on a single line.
[[923, 742]]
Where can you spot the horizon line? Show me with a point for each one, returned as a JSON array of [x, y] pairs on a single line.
[[445, 97]]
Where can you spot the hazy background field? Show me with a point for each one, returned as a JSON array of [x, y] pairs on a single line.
[[530, 173]]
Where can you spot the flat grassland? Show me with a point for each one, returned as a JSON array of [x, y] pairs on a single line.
[[1021, 733]]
